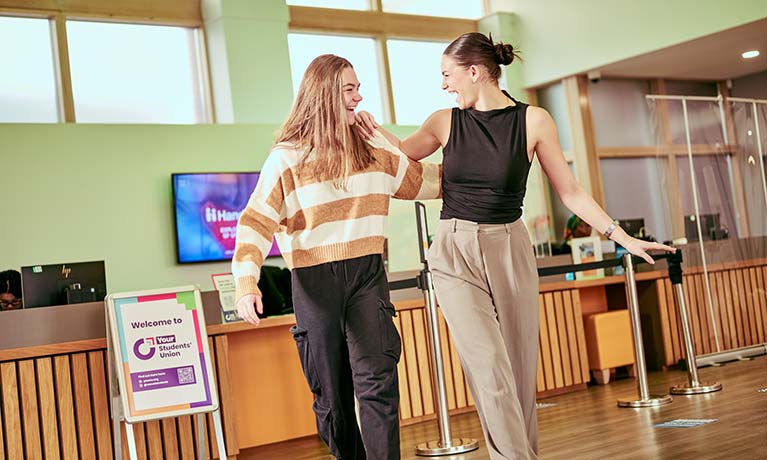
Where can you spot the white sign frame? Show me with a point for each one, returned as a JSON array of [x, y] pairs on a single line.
[[120, 357]]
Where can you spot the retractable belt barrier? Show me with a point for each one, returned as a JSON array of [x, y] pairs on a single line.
[[446, 445]]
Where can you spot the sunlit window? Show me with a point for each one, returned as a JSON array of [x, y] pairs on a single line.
[[466, 9], [417, 80], [340, 4], [130, 73], [360, 51], [27, 78]]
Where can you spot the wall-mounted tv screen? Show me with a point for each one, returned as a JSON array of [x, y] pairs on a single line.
[[207, 206]]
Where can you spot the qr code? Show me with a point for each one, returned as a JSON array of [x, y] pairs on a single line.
[[185, 375]]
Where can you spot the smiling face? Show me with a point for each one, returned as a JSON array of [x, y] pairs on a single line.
[[460, 81], [351, 93]]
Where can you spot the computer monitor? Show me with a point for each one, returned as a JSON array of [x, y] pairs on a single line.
[[633, 227], [710, 226], [62, 284], [206, 209]]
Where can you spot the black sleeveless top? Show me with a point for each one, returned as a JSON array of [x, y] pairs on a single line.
[[485, 165]]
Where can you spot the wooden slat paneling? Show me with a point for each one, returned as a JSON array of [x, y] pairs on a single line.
[[562, 339], [674, 325], [405, 403], [758, 306], [48, 422], [423, 354], [99, 399], [581, 336], [225, 396], [29, 409], [692, 313], [83, 413], [556, 352], [739, 310], [572, 337], [66, 407], [153, 439], [11, 414], [185, 438], [169, 438], [760, 298], [408, 336], [543, 339]]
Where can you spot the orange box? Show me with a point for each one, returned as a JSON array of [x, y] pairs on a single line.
[[609, 343]]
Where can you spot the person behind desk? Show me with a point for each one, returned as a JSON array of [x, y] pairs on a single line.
[[10, 290], [575, 228]]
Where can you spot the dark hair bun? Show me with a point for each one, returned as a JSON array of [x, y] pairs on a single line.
[[504, 53]]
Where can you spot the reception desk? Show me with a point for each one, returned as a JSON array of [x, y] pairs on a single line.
[[53, 391]]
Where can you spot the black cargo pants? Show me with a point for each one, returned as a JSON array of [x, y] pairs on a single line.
[[348, 346]]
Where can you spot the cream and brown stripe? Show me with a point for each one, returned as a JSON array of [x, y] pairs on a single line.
[[260, 223], [295, 176], [337, 211]]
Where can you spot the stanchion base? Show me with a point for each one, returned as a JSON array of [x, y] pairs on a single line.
[[457, 446], [702, 387], [652, 401]]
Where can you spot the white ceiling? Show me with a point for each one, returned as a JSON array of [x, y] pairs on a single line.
[[713, 57]]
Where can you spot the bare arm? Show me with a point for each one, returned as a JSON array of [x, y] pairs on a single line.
[[426, 140], [543, 133]]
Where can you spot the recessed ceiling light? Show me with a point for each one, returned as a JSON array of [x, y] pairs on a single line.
[[750, 54]]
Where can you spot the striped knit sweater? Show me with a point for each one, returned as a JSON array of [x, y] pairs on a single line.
[[317, 223]]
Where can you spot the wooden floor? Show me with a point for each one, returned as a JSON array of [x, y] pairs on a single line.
[[589, 425]]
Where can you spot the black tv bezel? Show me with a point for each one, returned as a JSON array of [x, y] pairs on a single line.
[[175, 216]]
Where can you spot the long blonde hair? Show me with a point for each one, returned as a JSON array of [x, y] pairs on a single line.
[[317, 124]]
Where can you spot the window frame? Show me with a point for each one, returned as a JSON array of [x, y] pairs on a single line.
[[178, 13], [381, 26]]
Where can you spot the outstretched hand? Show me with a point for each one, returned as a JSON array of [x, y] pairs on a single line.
[[366, 123], [247, 307], [639, 248]]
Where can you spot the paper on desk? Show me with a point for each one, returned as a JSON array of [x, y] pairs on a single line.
[[224, 284]]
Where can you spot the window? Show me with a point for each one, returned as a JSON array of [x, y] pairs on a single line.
[[624, 179], [130, 73], [339, 4], [467, 9], [362, 52], [622, 124], [27, 80], [417, 80]]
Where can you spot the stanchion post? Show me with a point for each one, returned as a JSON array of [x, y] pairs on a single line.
[[446, 445], [693, 385], [645, 399]]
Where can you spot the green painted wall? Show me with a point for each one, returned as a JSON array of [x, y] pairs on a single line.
[[85, 192], [565, 37], [93, 192]]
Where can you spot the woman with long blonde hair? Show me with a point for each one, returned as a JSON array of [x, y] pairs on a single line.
[[325, 191]]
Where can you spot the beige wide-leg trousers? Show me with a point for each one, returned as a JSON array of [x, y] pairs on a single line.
[[487, 287]]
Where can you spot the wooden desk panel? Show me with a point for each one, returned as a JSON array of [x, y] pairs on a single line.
[[61, 405], [739, 316]]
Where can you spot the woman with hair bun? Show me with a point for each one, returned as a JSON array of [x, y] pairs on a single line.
[[482, 260]]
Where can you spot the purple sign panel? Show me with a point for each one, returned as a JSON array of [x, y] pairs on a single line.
[[163, 378]]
